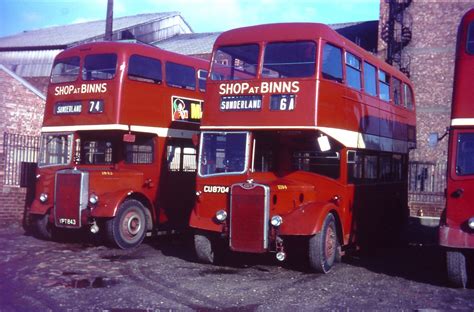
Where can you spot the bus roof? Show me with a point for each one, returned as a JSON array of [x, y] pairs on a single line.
[[300, 31], [132, 48]]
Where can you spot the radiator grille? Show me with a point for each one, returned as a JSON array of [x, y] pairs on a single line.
[[249, 210], [70, 198]]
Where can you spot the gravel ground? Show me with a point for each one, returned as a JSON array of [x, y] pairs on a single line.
[[162, 274]]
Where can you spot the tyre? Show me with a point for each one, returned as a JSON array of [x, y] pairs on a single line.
[[41, 226], [207, 248], [323, 248], [128, 228], [456, 262]]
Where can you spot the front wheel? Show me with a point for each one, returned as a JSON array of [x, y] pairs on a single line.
[[457, 269], [323, 247], [41, 226], [128, 228], [207, 249]]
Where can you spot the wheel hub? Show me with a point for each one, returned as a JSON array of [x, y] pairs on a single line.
[[131, 224]]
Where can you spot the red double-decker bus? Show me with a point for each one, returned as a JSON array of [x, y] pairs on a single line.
[[305, 137], [457, 221], [116, 149]]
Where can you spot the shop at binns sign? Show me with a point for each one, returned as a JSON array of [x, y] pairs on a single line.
[[82, 89]]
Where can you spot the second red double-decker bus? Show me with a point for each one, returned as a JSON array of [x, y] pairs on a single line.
[[116, 151], [305, 137], [457, 221]]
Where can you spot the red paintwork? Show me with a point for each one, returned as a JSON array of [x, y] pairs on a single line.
[[454, 231], [336, 107], [127, 103], [303, 199], [463, 91]]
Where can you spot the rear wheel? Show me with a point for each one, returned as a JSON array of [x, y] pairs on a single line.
[[41, 226], [207, 249], [324, 247], [128, 228], [456, 262]]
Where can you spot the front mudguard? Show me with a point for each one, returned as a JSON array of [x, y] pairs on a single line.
[[109, 203], [307, 219], [38, 208], [204, 223]]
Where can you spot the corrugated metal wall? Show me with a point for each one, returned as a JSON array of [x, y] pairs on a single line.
[[29, 63], [38, 63]]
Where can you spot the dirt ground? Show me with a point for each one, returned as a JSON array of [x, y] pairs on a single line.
[[162, 274]]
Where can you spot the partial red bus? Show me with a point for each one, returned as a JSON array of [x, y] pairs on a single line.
[[116, 151], [305, 137], [457, 221]]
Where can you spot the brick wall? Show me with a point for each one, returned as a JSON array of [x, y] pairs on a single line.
[[21, 112], [434, 26]]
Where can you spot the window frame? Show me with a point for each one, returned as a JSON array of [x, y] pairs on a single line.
[[324, 74], [230, 63], [469, 33], [374, 77], [62, 61], [170, 67], [384, 83], [139, 142], [396, 91], [143, 78], [246, 155], [408, 95], [202, 79], [353, 69], [85, 71], [298, 46]]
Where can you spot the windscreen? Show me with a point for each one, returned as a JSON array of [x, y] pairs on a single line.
[[99, 66], [65, 70], [289, 59], [55, 149], [223, 153], [235, 62], [465, 154]]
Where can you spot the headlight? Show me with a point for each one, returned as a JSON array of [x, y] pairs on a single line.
[[470, 222], [43, 197], [221, 215], [93, 199], [276, 221]]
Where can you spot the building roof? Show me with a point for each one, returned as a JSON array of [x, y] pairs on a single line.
[[62, 36], [189, 44], [23, 82], [362, 33]]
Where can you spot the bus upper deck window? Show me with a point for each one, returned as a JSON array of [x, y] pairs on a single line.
[[99, 66], [289, 59], [180, 76], [384, 86], [235, 62], [145, 69], [370, 79], [65, 70], [353, 71], [407, 96], [202, 75], [470, 39], [332, 63], [396, 91]]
